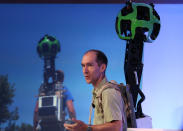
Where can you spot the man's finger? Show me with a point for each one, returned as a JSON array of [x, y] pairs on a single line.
[[69, 126]]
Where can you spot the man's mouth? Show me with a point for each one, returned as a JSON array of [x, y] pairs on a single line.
[[86, 77]]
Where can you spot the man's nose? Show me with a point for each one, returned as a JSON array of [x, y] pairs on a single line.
[[85, 70]]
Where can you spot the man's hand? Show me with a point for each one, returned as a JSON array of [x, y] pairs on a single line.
[[77, 126]]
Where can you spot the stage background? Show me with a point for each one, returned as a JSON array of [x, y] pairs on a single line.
[[81, 27]]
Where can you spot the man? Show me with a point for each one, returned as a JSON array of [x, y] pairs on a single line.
[[63, 93], [109, 116], [68, 99]]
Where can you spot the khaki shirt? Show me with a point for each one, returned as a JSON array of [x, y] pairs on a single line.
[[112, 105]]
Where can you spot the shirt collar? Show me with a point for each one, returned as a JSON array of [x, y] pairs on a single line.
[[96, 90]]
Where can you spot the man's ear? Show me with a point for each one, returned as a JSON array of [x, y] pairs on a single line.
[[102, 68]]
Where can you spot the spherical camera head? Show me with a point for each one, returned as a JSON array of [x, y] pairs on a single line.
[[48, 46], [138, 20]]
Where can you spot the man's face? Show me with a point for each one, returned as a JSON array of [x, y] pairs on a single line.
[[91, 69]]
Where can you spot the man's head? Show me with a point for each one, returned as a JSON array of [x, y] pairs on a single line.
[[59, 76], [94, 64]]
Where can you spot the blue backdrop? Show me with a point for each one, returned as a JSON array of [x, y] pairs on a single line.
[[81, 27]]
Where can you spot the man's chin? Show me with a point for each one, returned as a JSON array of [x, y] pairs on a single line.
[[87, 81]]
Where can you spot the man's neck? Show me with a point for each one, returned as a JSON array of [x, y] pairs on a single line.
[[98, 81]]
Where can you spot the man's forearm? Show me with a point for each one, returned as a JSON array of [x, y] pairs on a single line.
[[71, 110], [110, 126], [72, 114], [81, 126]]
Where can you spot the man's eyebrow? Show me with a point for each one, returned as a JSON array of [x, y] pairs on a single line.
[[86, 64]]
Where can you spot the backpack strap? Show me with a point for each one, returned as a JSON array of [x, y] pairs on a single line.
[[111, 84]]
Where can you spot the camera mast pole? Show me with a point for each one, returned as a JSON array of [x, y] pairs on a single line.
[[136, 23]]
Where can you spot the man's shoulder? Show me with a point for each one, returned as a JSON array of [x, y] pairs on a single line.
[[110, 87]]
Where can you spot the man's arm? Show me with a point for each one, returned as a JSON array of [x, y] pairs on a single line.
[[110, 126], [81, 126], [70, 107]]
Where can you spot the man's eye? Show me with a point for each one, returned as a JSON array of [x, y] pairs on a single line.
[[90, 64]]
